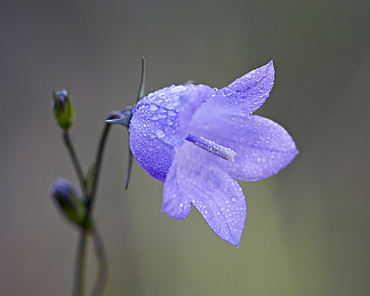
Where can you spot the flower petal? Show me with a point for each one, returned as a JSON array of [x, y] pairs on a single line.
[[160, 122], [213, 192], [154, 156], [247, 93], [191, 101], [262, 146], [176, 203]]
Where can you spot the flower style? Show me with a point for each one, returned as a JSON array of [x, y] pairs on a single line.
[[197, 140]]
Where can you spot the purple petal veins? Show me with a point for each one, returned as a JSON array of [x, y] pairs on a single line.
[[196, 139]]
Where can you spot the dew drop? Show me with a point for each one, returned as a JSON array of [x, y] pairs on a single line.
[[178, 89], [171, 113], [160, 133], [151, 96], [153, 107], [233, 199]]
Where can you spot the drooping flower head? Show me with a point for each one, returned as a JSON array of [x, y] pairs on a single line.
[[197, 140]]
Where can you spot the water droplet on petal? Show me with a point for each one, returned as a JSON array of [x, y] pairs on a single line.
[[151, 96], [160, 133], [178, 89]]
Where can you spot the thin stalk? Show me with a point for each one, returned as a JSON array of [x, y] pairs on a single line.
[[103, 264], [80, 276], [98, 160], [80, 273], [74, 158], [82, 249]]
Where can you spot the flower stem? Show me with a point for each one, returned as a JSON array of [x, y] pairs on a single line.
[[97, 165], [89, 191], [80, 276], [103, 264], [98, 243], [74, 158]]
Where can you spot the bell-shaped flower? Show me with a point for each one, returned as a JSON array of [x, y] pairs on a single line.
[[197, 140]]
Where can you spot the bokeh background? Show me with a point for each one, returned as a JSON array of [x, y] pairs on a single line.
[[307, 231]]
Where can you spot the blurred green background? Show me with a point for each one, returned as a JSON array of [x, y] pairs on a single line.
[[307, 231]]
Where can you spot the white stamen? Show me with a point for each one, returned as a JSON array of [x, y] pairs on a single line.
[[212, 147]]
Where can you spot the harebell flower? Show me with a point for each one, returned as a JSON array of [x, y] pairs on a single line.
[[197, 140]]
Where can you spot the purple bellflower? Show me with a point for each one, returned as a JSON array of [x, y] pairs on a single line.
[[197, 140]]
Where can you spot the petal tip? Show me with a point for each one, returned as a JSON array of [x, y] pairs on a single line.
[[234, 243]]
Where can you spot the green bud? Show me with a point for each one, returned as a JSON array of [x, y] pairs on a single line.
[[63, 109], [70, 203]]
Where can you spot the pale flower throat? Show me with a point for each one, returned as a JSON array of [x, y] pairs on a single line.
[[212, 147]]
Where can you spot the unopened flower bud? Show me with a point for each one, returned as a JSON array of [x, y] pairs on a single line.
[[63, 109], [69, 201]]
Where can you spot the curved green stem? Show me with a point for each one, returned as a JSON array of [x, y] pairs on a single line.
[[82, 248], [97, 165], [80, 276], [103, 264], [80, 273], [74, 158]]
